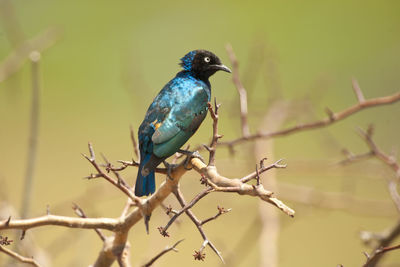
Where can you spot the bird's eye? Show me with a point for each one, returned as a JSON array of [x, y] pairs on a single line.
[[207, 59]]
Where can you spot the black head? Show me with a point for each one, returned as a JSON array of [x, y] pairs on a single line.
[[202, 63]]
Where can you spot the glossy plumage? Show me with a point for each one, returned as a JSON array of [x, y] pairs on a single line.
[[175, 115]]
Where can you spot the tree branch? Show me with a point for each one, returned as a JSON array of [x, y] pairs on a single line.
[[164, 251], [332, 118], [19, 257], [371, 260], [241, 90]]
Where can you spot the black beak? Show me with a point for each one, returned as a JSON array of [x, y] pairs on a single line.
[[222, 67]]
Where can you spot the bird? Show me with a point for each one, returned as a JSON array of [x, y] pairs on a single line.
[[175, 114]]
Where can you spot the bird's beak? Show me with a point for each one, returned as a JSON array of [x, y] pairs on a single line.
[[222, 67]]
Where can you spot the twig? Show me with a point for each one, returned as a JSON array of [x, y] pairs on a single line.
[[213, 146], [350, 157], [33, 135], [126, 190], [190, 214], [109, 168], [241, 90], [332, 118], [133, 163], [263, 169], [221, 210], [388, 160], [19, 257], [71, 222], [371, 260], [78, 211], [165, 250], [357, 91], [196, 199], [382, 156], [375, 151]]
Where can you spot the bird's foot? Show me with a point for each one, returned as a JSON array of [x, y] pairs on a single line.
[[170, 168], [189, 156]]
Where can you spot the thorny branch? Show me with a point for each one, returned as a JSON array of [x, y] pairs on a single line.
[[78, 211], [332, 118], [120, 185], [241, 90], [165, 250], [33, 135], [213, 146], [199, 255], [375, 151], [19, 257], [116, 246], [371, 260]]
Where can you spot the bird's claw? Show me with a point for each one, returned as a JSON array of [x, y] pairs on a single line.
[[169, 167], [189, 156]]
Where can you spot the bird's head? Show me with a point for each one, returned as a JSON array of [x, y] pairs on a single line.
[[202, 63]]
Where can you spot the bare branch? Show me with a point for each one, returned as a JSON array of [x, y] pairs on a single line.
[[334, 117], [184, 209], [109, 168], [221, 210], [350, 157], [83, 223], [190, 214], [18, 257], [371, 260], [78, 211], [263, 169], [385, 158], [33, 135], [213, 146], [164, 251], [357, 91], [126, 190], [241, 90], [133, 163]]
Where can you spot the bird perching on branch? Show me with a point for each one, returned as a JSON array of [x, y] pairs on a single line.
[[175, 115]]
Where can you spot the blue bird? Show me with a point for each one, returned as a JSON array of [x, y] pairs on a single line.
[[175, 115]]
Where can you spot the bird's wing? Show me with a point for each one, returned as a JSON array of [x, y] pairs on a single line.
[[183, 119]]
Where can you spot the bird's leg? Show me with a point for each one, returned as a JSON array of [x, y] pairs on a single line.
[[189, 156], [169, 167]]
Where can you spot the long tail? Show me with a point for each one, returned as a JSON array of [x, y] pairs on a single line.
[[145, 185]]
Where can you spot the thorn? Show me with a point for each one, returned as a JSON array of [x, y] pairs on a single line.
[[257, 176], [23, 234], [207, 147], [8, 221], [330, 114], [370, 130], [146, 222], [262, 162]]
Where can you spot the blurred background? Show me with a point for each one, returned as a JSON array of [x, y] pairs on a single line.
[[103, 62]]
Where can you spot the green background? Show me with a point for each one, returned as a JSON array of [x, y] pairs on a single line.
[[113, 58]]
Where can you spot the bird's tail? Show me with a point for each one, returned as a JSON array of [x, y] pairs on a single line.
[[145, 181]]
